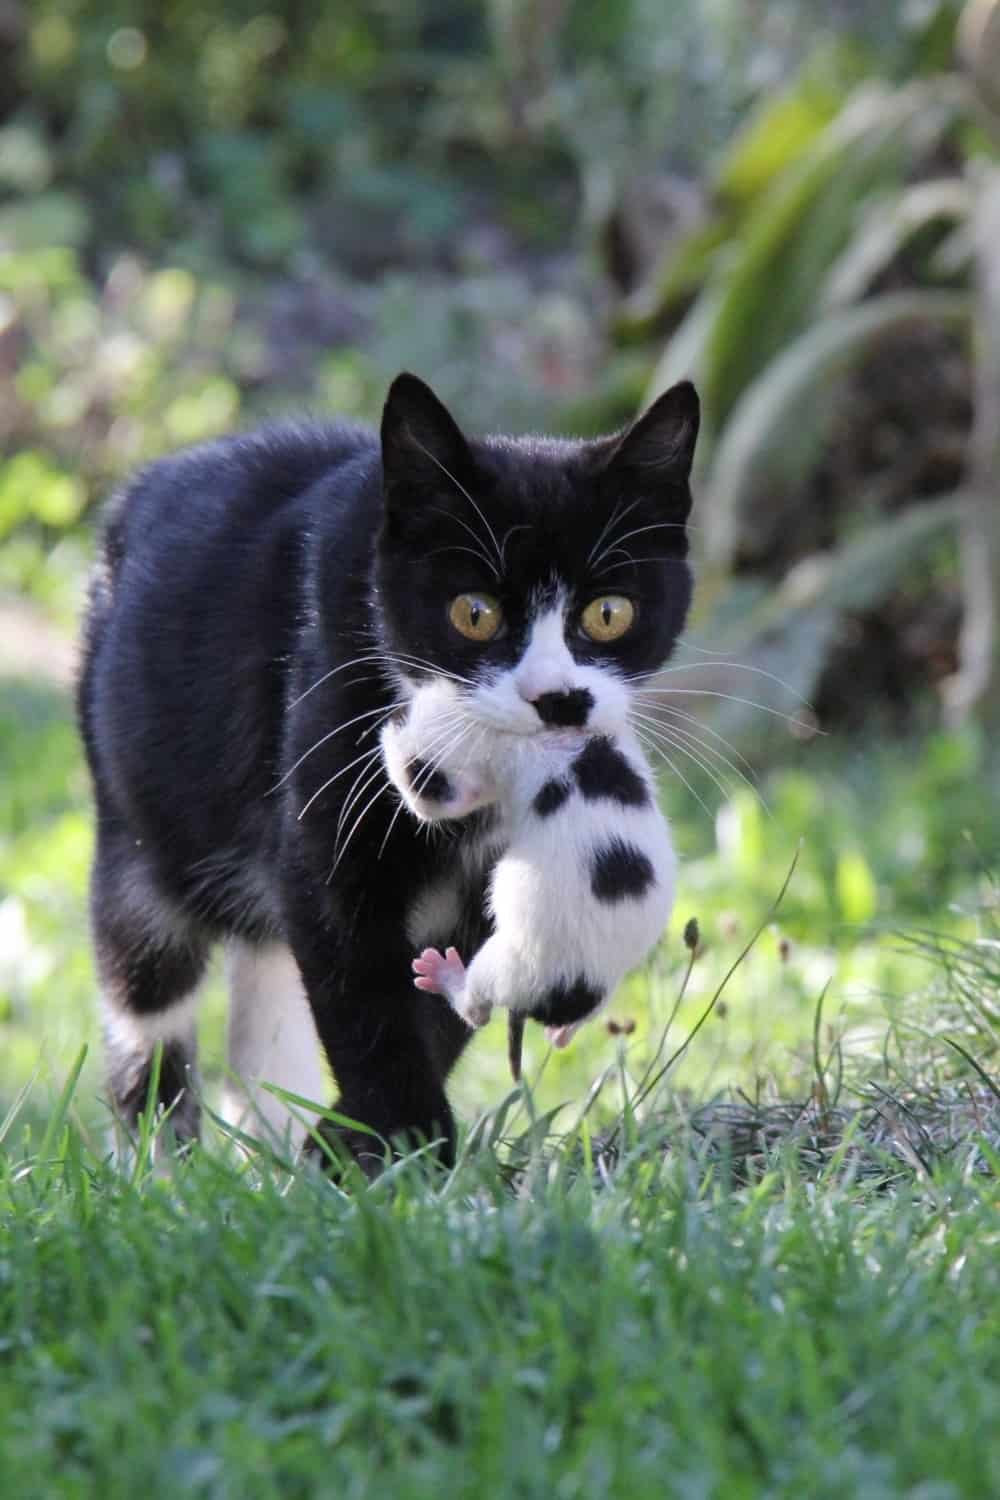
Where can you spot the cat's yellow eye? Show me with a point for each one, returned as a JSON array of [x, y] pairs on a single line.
[[607, 618], [476, 616]]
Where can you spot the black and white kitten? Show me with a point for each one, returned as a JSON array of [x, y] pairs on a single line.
[[262, 605], [583, 887]]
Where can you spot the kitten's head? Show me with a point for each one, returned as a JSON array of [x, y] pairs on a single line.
[[541, 575]]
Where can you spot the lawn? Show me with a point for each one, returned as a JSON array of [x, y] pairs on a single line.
[[573, 1328]]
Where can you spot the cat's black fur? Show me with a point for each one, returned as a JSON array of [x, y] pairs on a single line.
[[237, 581]]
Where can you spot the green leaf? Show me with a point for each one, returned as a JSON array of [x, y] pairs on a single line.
[[888, 227], [779, 423], [803, 223], [776, 135]]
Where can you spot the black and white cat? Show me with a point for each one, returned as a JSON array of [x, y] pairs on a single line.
[[584, 884], [262, 605]]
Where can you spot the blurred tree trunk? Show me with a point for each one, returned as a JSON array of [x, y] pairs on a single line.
[[975, 688]]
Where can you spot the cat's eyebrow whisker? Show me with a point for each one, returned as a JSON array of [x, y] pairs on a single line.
[[616, 515], [732, 698], [658, 749], [479, 552], [597, 571], [472, 551], [459, 486], [679, 562], [619, 541], [521, 526]]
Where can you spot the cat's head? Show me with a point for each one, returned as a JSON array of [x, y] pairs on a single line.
[[541, 575]]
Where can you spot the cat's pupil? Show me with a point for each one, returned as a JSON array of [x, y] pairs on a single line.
[[474, 613], [606, 612]]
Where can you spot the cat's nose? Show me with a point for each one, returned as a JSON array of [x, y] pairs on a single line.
[[565, 710]]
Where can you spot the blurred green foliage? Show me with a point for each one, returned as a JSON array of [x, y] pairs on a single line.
[[207, 214]]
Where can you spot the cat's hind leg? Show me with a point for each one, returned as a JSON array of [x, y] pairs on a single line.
[[271, 1038], [150, 958]]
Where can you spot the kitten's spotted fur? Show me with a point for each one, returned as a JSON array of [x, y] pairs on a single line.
[[584, 885]]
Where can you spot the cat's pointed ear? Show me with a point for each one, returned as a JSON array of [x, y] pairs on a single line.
[[421, 442], [660, 443]]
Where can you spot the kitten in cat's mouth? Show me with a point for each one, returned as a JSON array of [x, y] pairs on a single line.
[[582, 882]]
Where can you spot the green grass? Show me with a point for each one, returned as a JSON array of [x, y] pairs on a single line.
[[656, 1331]]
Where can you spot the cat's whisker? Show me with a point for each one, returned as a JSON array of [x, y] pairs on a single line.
[[523, 526], [618, 541], [661, 737], [392, 823], [657, 749], [456, 547], [366, 778], [616, 515], [606, 568], [682, 640], [365, 756], [634, 562], [354, 662], [680, 713], [445, 737], [358, 718], [484, 558], [356, 825], [738, 666], [747, 702], [461, 487], [683, 739], [420, 661], [431, 768], [357, 789]]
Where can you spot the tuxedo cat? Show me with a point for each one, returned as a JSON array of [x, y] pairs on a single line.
[[261, 606], [584, 885]]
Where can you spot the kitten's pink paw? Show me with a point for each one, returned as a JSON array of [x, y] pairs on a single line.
[[561, 1036], [439, 974]]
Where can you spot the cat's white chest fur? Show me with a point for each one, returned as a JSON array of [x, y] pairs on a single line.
[[584, 885]]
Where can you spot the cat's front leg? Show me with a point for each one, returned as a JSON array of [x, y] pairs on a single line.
[[390, 1050], [445, 974]]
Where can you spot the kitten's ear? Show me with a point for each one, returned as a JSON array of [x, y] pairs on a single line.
[[421, 442], [661, 442]]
